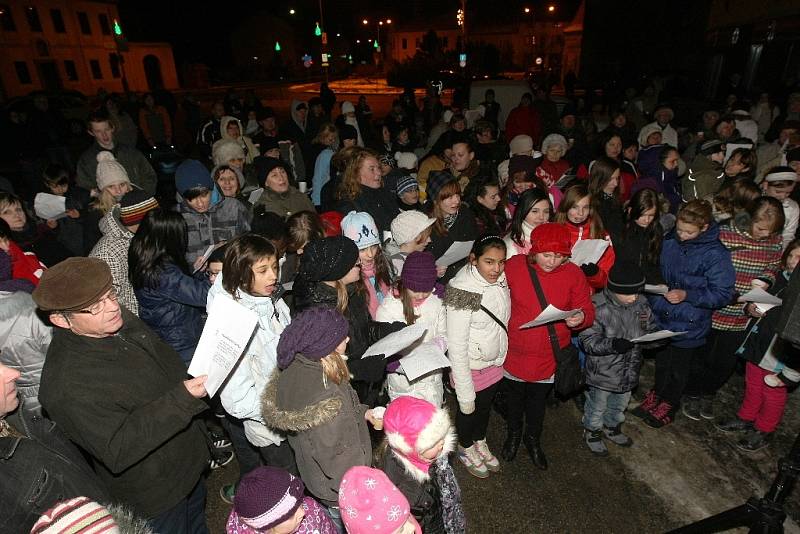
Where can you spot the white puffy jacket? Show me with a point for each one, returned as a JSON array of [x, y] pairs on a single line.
[[431, 313], [474, 340]]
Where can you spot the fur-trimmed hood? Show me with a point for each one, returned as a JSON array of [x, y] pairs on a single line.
[[127, 522]]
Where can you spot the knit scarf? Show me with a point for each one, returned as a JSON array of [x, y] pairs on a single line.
[[450, 220], [375, 294], [455, 521]]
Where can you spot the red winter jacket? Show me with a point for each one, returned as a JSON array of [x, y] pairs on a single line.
[[530, 356], [582, 231], [25, 264], [524, 121]]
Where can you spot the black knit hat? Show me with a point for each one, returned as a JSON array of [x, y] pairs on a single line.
[[626, 278], [436, 181], [347, 131], [266, 164], [328, 259]]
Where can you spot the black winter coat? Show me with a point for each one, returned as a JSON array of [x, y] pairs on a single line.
[[464, 229], [39, 466], [122, 399], [379, 203], [633, 246], [424, 498]]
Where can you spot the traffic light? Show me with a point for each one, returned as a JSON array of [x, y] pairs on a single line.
[[119, 37], [277, 46], [318, 31]]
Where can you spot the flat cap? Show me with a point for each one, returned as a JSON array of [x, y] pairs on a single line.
[[73, 285]]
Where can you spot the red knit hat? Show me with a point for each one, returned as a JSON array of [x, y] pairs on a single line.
[[551, 237]]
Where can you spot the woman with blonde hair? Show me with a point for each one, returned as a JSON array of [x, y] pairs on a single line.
[[362, 189]]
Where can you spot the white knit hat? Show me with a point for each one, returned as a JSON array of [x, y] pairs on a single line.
[[225, 150], [406, 160], [408, 225], [348, 107], [109, 171]]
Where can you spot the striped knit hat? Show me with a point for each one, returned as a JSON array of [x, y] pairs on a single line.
[[134, 205], [80, 515], [267, 496]]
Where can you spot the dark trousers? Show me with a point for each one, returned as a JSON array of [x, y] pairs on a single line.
[[247, 455], [471, 428], [715, 363], [673, 366], [186, 517], [279, 456], [526, 402]]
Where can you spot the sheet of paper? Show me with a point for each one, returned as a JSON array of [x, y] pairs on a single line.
[[396, 341], [225, 336], [207, 254], [255, 194], [764, 308], [422, 360], [549, 315], [588, 251], [657, 289], [760, 296], [457, 251], [49, 206], [655, 336]]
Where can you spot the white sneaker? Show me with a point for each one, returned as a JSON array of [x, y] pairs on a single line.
[[489, 459], [472, 460]]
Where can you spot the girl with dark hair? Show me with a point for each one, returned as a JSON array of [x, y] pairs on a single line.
[[376, 272], [534, 208], [454, 221], [575, 212], [604, 179], [477, 307], [171, 301], [250, 277], [659, 168], [484, 198], [640, 241]]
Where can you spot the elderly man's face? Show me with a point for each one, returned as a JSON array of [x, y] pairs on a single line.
[[663, 116], [725, 129], [8, 390], [101, 319]]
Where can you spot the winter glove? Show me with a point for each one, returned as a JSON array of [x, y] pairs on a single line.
[[370, 369], [621, 345], [590, 269], [466, 407]]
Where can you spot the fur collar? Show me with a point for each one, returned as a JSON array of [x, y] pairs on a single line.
[[311, 416], [415, 472]]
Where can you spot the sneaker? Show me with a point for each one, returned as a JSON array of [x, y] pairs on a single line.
[[616, 436], [754, 440], [594, 440], [219, 440], [220, 458], [472, 461], [707, 407], [661, 415], [733, 424], [489, 460], [227, 492], [691, 408], [650, 401]]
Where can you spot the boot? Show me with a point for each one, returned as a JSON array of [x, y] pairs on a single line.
[[535, 451], [649, 402], [511, 445]]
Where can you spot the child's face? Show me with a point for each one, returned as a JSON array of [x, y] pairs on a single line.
[[367, 256], [410, 196], [118, 190], [421, 244], [612, 184], [491, 197], [626, 300], [646, 218], [213, 269], [291, 524], [778, 190], [341, 347], [579, 211], [265, 276], [491, 264], [201, 203], [418, 297], [14, 215], [686, 231], [792, 260], [734, 167], [406, 528], [761, 230], [539, 214], [59, 189], [434, 452], [549, 261]]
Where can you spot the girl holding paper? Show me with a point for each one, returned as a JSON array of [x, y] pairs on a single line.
[[754, 240], [533, 209], [576, 213]]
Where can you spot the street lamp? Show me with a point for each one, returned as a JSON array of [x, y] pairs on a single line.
[[551, 8], [291, 11], [527, 10], [365, 22]]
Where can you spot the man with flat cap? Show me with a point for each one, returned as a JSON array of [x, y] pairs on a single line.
[[120, 393]]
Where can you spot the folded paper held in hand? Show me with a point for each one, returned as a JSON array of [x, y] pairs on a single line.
[[255, 194], [655, 336], [425, 358], [457, 252], [227, 332], [49, 206], [396, 341], [207, 254], [549, 314], [656, 289], [588, 251], [759, 296]]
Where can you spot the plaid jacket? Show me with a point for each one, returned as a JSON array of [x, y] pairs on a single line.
[[113, 249]]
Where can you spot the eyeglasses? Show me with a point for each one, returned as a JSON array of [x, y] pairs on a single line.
[[98, 307]]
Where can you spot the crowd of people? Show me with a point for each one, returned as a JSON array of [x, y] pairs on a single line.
[[337, 229]]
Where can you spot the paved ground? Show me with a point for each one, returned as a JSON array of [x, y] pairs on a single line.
[[669, 477]]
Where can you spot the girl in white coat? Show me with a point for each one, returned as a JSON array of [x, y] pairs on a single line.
[[411, 302]]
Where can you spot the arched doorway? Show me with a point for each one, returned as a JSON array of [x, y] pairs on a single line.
[[152, 71]]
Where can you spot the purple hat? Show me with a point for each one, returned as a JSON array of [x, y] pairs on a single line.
[[419, 272], [314, 333], [267, 496]]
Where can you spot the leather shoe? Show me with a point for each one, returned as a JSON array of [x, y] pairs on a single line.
[[511, 445], [535, 451]]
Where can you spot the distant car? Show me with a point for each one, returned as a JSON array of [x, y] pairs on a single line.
[[507, 93]]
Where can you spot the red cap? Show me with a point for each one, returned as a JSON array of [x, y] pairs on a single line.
[[551, 237]]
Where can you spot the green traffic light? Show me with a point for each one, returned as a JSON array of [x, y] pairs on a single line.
[[375, 44], [277, 46], [318, 31], [117, 28]]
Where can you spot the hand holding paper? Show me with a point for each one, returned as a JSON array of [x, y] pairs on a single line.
[[422, 360], [656, 289], [655, 336], [49, 206], [761, 297], [396, 341], [588, 251], [549, 314]]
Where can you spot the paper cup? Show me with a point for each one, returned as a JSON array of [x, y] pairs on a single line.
[[377, 414], [302, 186]]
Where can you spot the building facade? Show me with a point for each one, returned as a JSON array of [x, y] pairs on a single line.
[[72, 45]]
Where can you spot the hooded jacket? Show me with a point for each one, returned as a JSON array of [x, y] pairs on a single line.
[[606, 369], [139, 170], [113, 249], [241, 394], [701, 267], [530, 354], [244, 141], [224, 220], [474, 340], [25, 340], [577, 232], [324, 423], [122, 399], [669, 136], [704, 178], [295, 129]]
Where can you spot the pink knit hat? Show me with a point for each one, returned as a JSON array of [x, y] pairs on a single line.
[[415, 425], [371, 504]]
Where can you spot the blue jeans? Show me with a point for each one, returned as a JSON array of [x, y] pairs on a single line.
[[186, 517], [604, 408], [335, 514]]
